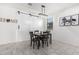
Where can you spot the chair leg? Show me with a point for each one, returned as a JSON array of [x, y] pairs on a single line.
[[50, 39], [38, 44], [47, 44], [43, 43], [31, 43]]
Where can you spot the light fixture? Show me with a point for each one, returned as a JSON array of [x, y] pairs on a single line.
[[43, 11], [19, 12]]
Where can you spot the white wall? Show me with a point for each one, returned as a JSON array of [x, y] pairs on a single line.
[[67, 34], [28, 23], [9, 32]]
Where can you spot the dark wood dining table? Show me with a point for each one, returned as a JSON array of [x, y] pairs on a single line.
[[41, 35]]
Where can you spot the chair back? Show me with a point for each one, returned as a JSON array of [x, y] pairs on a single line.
[[36, 31], [31, 34]]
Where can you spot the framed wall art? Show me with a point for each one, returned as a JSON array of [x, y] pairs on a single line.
[[75, 20], [8, 20], [61, 23], [72, 20], [65, 21]]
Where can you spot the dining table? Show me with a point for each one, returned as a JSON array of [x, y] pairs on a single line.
[[40, 37]]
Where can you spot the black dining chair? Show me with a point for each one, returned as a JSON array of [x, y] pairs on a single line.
[[31, 37], [50, 37], [36, 31], [34, 40], [45, 38]]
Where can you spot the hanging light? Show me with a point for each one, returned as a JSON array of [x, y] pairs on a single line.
[[43, 11], [30, 14]]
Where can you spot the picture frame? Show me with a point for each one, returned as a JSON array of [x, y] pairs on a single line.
[[60, 21], [65, 21], [68, 21], [75, 20]]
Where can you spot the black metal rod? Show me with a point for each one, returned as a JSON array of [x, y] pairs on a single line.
[[27, 14]]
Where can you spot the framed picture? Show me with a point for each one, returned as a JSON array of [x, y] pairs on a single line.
[[75, 20], [65, 21], [61, 23]]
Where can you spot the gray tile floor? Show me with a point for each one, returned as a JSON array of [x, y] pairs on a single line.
[[23, 48]]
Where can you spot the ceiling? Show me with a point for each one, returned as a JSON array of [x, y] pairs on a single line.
[[52, 8]]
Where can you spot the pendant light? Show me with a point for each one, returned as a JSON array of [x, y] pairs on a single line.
[[43, 11]]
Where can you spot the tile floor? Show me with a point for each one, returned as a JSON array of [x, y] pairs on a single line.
[[23, 48]]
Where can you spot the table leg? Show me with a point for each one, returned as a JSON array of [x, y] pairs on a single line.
[[31, 42], [50, 38], [38, 44]]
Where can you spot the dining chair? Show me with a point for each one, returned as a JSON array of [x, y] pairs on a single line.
[[36, 31], [34, 40], [31, 37], [46, 37]]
